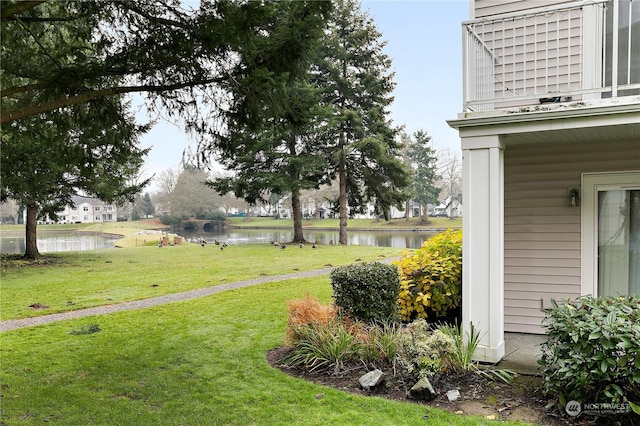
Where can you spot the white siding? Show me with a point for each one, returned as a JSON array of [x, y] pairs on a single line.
[[542, 233], [497, 7], [534, 56]]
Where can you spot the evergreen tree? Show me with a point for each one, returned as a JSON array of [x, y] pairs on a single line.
[[56, 54], [48, 159], [268, 141], [421, 159], [146, 205], [353, 74]]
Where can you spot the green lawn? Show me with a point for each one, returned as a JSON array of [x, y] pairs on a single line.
[[200, 362], [93, 278]]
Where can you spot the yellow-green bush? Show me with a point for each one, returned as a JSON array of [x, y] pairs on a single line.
[[431, 278]]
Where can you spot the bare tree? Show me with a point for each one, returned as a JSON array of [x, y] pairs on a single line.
[[167, 180], [450, 172]]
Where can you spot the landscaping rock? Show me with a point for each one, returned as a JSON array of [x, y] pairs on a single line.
[[423, 390], [371, 379], [453, 395]]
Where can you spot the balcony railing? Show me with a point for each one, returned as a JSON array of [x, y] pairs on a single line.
[[577, 52]]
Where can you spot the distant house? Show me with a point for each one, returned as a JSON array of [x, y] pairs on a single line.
[[450, 207], [550, 136], [86, 210]]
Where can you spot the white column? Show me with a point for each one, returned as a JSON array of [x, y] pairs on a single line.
[[483, 243]]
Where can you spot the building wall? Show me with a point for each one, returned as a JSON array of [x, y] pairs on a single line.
[[542, 233]]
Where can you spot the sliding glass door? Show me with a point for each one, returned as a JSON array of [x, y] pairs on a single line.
[[611, 234], [618, 242]]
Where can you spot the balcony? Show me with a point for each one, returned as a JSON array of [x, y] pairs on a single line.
[[578, 52]]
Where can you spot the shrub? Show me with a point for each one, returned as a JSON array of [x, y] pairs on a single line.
[[422, 352], [431, 278], [170, 220], [592, 350], [215, 216], [367, 291]]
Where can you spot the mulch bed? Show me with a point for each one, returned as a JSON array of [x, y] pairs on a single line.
[[522, 400]]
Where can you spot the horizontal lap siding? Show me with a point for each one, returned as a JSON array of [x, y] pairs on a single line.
[[542, 234], [497, 7]]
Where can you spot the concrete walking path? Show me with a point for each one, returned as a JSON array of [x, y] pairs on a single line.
[[160, 300]]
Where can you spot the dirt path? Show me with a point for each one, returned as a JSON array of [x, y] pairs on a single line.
[[155, 301]]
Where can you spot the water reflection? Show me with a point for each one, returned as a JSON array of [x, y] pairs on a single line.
[[398, 239], [57, 243], [81, 242]]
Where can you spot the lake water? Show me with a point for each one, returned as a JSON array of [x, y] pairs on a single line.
[[80, 242], [399, 239], [48, 243]]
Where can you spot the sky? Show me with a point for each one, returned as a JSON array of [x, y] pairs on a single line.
[[424, 42]]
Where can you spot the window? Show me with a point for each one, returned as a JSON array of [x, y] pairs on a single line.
[[97, 218], [611, 234], [96, 209], [85, 208]]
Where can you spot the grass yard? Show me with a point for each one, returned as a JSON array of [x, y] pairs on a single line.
[[200, 362], [77, 280]]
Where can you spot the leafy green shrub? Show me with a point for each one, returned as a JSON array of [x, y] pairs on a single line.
[[431, 278], [592, 350], [422, 352], [367, 291]]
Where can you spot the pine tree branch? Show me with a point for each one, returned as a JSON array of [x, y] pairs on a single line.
[[10, 11], [64, 101]]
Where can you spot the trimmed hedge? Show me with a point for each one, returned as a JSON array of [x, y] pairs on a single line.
[[367, 291]]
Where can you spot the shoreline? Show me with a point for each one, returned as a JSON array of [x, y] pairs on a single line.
[[317, 228]]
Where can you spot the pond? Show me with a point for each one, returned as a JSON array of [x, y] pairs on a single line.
[[57, 242], [398, 239]]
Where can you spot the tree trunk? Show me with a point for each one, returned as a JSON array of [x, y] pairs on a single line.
[[423, 216], [296, 211], [31, 251], [406, 210], [342, 199]]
